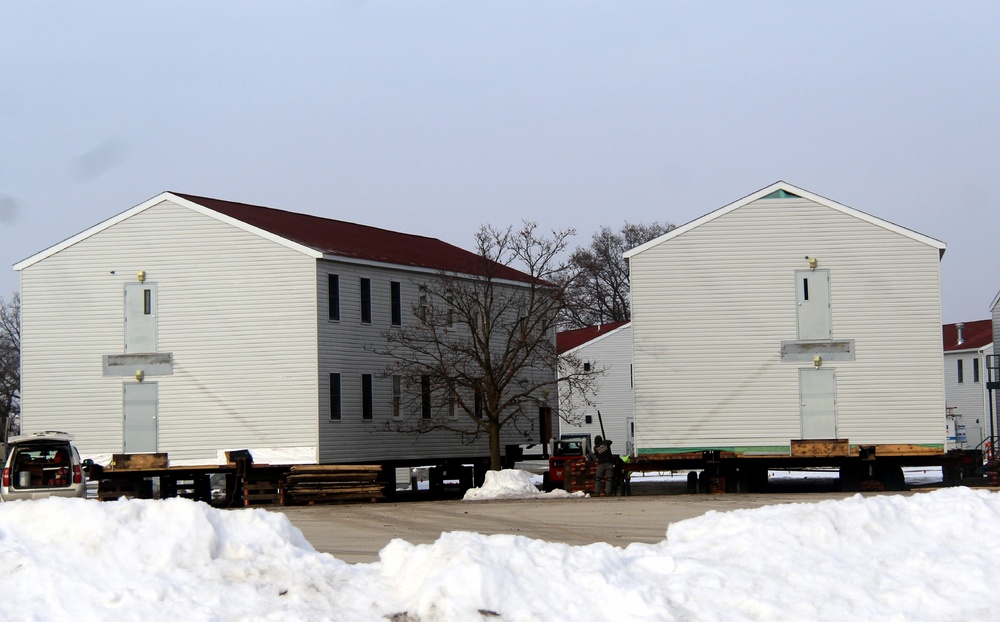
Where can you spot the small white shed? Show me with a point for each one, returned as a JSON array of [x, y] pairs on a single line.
[[786, 316]]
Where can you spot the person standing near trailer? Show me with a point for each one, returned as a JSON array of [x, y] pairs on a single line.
[[623, 483], [605, 467]]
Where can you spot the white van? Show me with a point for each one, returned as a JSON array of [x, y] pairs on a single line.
[[45, 464]]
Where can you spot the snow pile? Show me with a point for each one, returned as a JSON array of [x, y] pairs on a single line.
[[924, 557], [512, 484], [73, 559]]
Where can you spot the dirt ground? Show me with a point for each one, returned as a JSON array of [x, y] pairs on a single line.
[[355, 533]]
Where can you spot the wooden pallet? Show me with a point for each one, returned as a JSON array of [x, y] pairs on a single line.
[[112, 490], [190, 486], [262, 492]]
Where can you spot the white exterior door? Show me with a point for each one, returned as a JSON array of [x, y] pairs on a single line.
[[140, 318], [818, 395], [812, 291], [140, 417]]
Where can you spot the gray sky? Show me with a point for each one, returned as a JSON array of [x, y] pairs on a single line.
[[437, 117]]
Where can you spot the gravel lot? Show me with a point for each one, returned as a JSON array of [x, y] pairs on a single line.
[[357, 532]]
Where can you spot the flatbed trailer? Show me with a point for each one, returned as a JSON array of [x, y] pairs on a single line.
[[861, 467]]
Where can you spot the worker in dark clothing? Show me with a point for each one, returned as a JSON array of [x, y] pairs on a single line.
[[623, 485], [605, 467]]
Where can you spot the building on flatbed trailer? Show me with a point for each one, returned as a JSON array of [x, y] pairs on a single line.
[[786, 328], [193, 326]]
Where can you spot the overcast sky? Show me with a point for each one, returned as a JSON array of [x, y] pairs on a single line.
[[436, 117]]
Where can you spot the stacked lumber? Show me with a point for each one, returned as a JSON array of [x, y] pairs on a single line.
[[330, 483]]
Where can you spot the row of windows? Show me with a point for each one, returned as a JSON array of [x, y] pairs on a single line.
[[975, 371], [365, 291], [368, 404], [336, 397]]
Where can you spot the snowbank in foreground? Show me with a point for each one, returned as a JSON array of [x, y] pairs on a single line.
[[512, 484], [924, 557]]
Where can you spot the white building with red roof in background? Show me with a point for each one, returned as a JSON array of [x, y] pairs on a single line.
[[607, 347], [966, 346]]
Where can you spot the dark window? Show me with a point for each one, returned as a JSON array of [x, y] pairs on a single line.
[[397, 304], [335, 397], [147, 302], [961, 375], [975, 370], [366, 301], [367, 411], [425, 397], [586, 367], [334, 296], [805, 289]]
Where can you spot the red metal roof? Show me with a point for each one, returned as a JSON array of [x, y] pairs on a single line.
[[569, 339], [974, 334], [347, 239]]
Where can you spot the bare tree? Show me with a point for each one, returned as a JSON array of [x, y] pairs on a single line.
[[481, 356], [10, 366], [600, 290]]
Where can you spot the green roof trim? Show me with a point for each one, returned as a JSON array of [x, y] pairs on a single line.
[[782, 194], [776, 450]]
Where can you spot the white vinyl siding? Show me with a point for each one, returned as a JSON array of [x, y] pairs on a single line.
[[712, 305], [246, 319], [613, 353], [344, 348], [237, 311], [968, 399]]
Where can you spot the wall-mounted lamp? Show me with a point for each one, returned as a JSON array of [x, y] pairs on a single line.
[[139, 375], [141, 276], [813, 262], [817, 361]]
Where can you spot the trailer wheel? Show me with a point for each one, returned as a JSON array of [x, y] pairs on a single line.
[[703, 482], [850, 477], [891, 476], [952, 475], [752, 479]]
